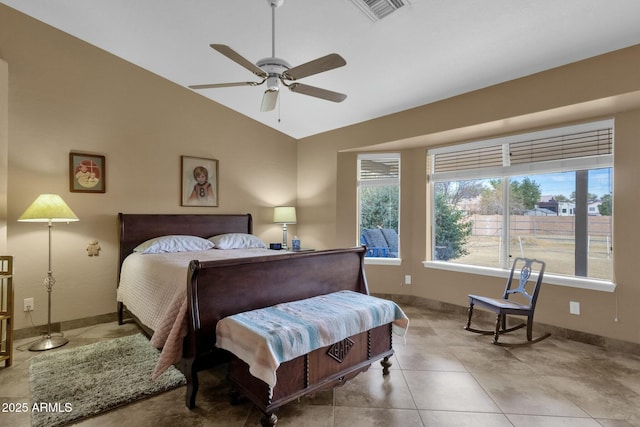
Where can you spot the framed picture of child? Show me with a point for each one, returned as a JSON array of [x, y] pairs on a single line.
[[86, 173], [199, 181]]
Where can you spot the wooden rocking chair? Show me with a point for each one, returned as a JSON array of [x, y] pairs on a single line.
[[504, 306]]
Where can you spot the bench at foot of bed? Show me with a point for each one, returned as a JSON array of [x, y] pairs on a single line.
[[322, 369]]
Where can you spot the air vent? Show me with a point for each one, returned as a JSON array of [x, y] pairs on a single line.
[[378, 9]]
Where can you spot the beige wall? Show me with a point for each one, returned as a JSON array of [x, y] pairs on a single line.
[[4, 151], [65, 95], [601, 87]]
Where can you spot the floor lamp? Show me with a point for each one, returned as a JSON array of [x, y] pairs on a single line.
[[48, 208], [284, 215]]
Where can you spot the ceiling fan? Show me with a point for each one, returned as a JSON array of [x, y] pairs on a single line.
[[275, 71]]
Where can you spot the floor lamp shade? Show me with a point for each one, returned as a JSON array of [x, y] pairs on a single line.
[[48, 208], [284, 215]]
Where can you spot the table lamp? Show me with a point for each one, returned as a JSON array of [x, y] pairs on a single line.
[[284, 215]]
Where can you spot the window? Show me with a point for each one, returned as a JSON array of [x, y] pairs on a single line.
[[545, 195], [379, 204]]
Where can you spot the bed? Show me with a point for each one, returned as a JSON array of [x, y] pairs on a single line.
[[135, 229], [215, 289]]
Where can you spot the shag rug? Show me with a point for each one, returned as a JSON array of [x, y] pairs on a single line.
[[67, 385]]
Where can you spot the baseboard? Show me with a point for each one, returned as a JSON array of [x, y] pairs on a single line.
[[36, 331], [609, 344]]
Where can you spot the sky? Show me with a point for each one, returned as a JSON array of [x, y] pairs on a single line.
[[553, 184]]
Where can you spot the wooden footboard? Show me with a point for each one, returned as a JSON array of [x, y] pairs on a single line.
[[217, 289]]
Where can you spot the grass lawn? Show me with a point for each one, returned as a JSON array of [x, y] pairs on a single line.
[[557, 252]]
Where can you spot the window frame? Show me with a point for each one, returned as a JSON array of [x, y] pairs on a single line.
[[508, 171], [378, 156]]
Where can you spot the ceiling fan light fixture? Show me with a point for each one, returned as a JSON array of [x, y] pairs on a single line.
[[273, 82], [269, 100]]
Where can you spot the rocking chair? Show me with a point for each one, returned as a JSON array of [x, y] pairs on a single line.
[[504, 306]]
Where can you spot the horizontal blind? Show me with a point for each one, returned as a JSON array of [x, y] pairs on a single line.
[[468, 159], [379, 170], [582, 144], [594, 140]]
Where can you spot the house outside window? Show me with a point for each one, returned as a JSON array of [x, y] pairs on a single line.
[[379, 204], [545, 195]]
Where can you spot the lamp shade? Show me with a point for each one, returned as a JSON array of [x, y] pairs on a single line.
[[284, 215], [48, 207]]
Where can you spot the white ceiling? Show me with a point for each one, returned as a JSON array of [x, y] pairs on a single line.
[[426, 51]]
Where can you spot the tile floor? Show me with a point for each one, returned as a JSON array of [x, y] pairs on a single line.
[[442, 376]]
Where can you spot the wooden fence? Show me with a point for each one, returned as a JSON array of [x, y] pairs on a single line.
[[539, 226]]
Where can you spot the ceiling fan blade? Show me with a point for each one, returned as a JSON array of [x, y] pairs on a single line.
[[317, 92], [326, 63], [269, 100], [239, 59], [216, 85]]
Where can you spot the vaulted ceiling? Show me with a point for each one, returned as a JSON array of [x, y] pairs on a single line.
[[425, 51]]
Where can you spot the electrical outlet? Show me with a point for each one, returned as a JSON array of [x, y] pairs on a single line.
[[574, 307], [407, 279], [28, 304]]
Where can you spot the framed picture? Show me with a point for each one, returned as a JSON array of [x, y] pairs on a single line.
[[199, 181], [87, 173]]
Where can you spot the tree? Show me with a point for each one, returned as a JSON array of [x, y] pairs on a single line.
[[452, 229], [522, 196], [605, 208], [455, 191], [491, 198], [527, 194], [379, 207]]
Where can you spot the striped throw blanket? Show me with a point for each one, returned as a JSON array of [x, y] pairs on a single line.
[[267, 337]]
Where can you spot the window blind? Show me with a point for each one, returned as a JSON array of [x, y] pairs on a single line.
[[582, 144], [379, 170], [588, 145], [473, 158]]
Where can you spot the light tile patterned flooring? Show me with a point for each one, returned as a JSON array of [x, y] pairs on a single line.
[[441, 376]]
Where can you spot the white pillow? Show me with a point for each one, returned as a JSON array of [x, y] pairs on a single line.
[[174, 243], [237, 241]]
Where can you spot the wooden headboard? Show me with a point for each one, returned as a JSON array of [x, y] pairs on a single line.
[[138, 228]]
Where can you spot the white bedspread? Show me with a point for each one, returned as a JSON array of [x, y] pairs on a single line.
[[154, 288]]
